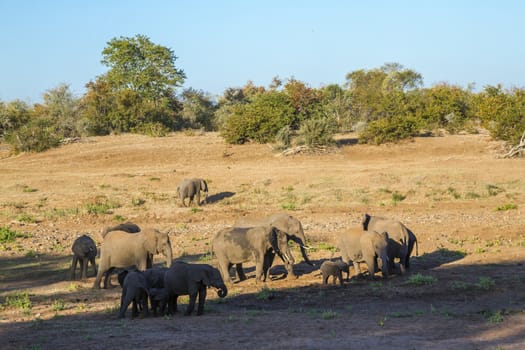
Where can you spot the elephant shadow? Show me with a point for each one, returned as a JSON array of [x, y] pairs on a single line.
[[219, 196], [278, 271], [437, 258], [347, 141]]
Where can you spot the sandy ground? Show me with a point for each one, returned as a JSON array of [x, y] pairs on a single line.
[[465, 290]]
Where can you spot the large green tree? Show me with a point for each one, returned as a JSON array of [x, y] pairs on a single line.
[[139, 65]]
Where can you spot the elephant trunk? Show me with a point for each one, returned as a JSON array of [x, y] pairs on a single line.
[[169, 256], [222, 291]]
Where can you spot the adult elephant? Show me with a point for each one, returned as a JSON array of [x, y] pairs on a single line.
[[128, 227], [284, 222], [193, 280], [357, 245], [119, 249], [191, 188], [235, 245], [402, 240]]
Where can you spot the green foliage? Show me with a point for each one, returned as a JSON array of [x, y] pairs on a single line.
[[198, 110], [260, 120], [13, 115], [7, 235], [317, 132], [101, 206], [502, 112], [19, 300], [507, 206], [419, 279], [389, 130], [35, 136]]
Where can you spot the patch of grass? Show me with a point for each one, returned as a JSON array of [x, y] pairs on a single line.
[[31, 254], [58, 305], [119, 218], [328, 315], [493, 190], [419, 279], [205, 257], [493, 316], [397, 197], [154, 178], [381, 322], [72, 287], [326, 246], [28, 189], [452, 191], [195, 210], [113, 309], [137, 202], [289, 206], [101, 206], [486, 283], [19, 300], [27, 218], [472, 195], [265, 294], [507, 206], [7, 235]]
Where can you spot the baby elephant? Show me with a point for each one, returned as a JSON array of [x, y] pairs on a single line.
[[191, 188], [84, 251], [335, 269], [134, 290]]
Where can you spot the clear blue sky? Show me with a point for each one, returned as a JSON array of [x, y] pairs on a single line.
[[223, 44]]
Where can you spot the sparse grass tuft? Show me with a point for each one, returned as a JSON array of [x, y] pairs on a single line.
[[265, 294], [397, 197], [7, 235], [419, 279], [27, 218], [508, 206], [329, 315], [101, 206], [137, 202], [19, 300], [58, 305], [326, 246], [486, 283]]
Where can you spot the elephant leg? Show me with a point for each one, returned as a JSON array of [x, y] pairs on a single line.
[[73, 266], [259, 265], [268, 261], [84, 267], [93, 264], [172, 304], [100, 273], [134, 308], [144, 303], [202, 298], [357, 268], [124, 303], [224, 268], [340, 275], [107, 281], [240, 272], [198, 198], [325, 279], [191, 304]]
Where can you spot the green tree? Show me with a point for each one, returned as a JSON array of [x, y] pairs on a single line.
[[13, 115], [198, 109], [502, 112], [61, 108], [139, 65]]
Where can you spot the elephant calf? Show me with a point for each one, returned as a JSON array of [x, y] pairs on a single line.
[[134, 290], [191, 279], [84, 252], [335, 269], [191, 188]]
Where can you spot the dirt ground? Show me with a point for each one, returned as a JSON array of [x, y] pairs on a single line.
[[465, 290]]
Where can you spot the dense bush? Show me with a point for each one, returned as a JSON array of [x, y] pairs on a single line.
[[317, 132], [389, 130]]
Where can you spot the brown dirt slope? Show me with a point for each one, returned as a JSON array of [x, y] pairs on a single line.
[[465, 290]]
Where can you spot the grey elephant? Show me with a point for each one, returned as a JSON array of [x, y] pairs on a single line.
[[193, 280], [235, 245], [335, 269], [357, 245], [134, 290], [128, 227], [84, 252], [402, 240], [191, 188], [157, 293], [284, 222], [120, 249]]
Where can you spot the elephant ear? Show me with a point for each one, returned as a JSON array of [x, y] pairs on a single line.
[[204, 275], [366, 221], [204, 185], [151, 238]]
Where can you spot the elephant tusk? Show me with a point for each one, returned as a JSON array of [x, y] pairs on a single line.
[[306, 247]]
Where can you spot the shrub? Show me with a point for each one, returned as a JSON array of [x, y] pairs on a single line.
[[317, 132], [36, 136], [7, 235], [389, 130]]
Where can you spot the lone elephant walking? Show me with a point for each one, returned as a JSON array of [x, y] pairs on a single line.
[[191, 188]]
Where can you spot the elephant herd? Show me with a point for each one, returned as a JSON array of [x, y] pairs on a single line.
[[127, 248]]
